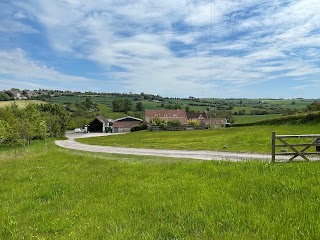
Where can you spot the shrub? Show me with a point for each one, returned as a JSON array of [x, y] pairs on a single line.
[[294, 119], [156, 121], [140, 127], [193, 122], [174, 123]]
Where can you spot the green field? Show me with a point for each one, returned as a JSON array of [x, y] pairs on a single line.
[[20, 103], [241, 139], [298, 103], [253, 118], [62, 194], [106, 111]]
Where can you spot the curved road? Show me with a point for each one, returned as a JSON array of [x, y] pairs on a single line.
[[204, 155]]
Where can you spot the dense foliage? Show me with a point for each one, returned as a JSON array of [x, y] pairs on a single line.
[[313, 117], [33, 122], [121, 105], [140, 127], [5, 97]]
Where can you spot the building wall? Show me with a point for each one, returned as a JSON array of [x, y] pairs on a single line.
[[120, 130]]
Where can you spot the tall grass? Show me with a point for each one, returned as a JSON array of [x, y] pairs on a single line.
[[62, 194]]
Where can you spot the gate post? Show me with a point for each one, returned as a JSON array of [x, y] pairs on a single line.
[[273, 153]]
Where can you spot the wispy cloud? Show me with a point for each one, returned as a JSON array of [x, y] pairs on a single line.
[[16, 67], [146, 45]]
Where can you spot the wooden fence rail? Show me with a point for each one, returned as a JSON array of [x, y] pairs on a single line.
[[293, 146]]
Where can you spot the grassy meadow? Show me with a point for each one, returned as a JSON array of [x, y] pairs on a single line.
[[253, 118], [54, 193], [255, 139], [20, 103]]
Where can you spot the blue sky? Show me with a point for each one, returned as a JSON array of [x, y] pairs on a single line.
[[181, 48]]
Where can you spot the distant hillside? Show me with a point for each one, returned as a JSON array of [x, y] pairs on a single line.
[[313, 117]]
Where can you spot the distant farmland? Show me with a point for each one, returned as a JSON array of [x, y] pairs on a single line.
[[20, 103]]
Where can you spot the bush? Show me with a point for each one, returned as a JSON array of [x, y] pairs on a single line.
[[193, 122], [140, 127], [174, 123], [156, 121], [294, 119], [163, 126]]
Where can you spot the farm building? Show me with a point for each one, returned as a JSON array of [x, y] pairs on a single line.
[[167, 115], [201, 117], [204, 119], [100, 124], [218, 122], [125, 124]]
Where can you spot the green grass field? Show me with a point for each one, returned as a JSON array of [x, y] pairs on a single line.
[[241, 139], [107, 112], [20, 103], [62, 194], [253, 118], [299, 103]]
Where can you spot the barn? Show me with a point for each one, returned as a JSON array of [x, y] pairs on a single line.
[[125, 124], [100, 124]]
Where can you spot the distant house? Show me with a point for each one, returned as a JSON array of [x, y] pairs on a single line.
[[166, 115], [16, 94], [125, 124], [218, 122], [100, 124], [204, 119], [31, 94], [201, 117]]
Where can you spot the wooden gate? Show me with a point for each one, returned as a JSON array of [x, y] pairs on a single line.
[[283, 139]]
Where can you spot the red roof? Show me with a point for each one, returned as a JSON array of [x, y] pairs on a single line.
[[167, 115]]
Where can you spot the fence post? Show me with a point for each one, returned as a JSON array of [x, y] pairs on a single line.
[[273, 157]]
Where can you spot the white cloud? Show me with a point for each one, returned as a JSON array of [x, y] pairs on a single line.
[[16, 66], [10, 26], [148, 45]]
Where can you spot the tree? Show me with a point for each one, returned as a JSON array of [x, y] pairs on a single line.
[[139, 106], [4, 97], [56, 118], [10, 94], [127, 105], [88, 103], [31, 121], [225, 114], [117, 105], [4, 127], [242, 112], [315, 106]]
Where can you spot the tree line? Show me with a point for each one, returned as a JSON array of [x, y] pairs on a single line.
[[20, 126]]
